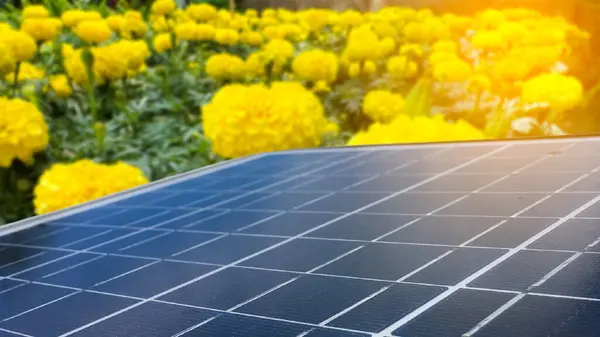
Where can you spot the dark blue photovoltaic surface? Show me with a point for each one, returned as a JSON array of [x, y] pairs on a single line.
[[386, 307], [69, 313], [546, 316], [456, 314], [484, 239], [167, 320]]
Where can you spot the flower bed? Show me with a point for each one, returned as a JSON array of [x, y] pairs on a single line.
[[99, 100]]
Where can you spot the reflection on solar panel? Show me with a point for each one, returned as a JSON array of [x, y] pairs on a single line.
[[477, 239]]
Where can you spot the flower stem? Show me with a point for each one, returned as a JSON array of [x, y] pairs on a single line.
[[498, 123], [3, 175], [477, 107], [88, 60], [15, 84], [92, 101]]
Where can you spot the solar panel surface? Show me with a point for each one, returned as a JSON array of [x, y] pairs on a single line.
[[474, 239]]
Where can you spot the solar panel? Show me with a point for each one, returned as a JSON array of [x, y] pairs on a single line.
[[462, 239]]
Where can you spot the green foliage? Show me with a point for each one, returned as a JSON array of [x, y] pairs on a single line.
[[16, 189]]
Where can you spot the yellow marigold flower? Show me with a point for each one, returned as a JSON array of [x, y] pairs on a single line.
[[269, 13], [452, 71], [35, 11], [252, 38], [279, 51], [438, 30], [228, 37], [67, 185], [224, 16], [160, 24], [417, 32], [424, 13], [133, 26], [243, 120], [384, 29], [72, 18], [186, 31], [201, 12], [274, 32], [445, 46], [41, 29], [411, 49], [180, 16], [332, 128], [546, 56], [205, 32], [479, 83], [492, 18], [93, 31], [90, 16], [286, 15], [23, 46], [405, 129], [135, 51], [27, 72], [238, 23], [75, 68], [60, 85], [369, 68], [437, 57], [251, 13], [488, 40], [382, 106], [316, 19], [255, 64], [316, 65], [163, 7], [7, 59], [24, 131], [512, 69], [513, 32], [67, 49], [162, 42], [387, 46], [267, 21], [225, 66], [401, 67], [363, 44], [293, 32], [111, 63], [459, 24], [133, 73], [285, 31], [131, 14], [321, 86], [115, 22], [350, 18], [354, 70], [5, 26], [546, 36], [560, 92]]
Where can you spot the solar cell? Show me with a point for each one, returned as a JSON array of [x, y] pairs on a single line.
[[457, 239]]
